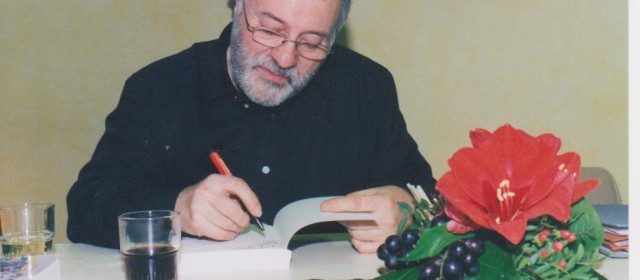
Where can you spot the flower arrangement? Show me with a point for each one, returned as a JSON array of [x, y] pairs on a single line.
[[510, 207]]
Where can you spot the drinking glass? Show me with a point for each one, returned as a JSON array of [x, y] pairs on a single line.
[[26, 229], [149, 244]]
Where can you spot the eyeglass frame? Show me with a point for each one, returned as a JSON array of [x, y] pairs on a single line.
[[285, 38]]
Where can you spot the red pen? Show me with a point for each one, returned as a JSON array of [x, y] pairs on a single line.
[[224, 170]]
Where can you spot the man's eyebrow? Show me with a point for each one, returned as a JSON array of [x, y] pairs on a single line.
[[277, 19], [272, 16]]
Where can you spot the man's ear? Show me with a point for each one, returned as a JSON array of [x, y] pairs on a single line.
[[235, 6]]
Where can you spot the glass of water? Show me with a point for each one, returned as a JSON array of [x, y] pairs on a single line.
[[26, 229]]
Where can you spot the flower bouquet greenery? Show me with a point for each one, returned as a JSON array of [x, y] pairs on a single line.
[[509, 208]]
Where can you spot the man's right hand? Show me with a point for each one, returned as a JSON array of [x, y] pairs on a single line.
[[212, 208]]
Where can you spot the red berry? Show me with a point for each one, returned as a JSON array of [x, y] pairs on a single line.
[[544, 253], [545, 232], [562, 264], [572, 237], [565, 234], [557, 246], [542, 237]]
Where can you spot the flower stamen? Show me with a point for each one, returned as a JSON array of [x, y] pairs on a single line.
[[505, 183], [505, 197]]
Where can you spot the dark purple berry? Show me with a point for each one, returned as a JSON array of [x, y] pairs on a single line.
[[437, 260], [475, 246], [410, 237], [458, 250], [432, 261], [471, 264], [473, 270], [469, 260], [452, 269], [439, 220], [383, 252], [429, 271], [393, 244], [404, 252], [392, 262]]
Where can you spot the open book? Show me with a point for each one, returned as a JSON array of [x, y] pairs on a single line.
[[254, 249]]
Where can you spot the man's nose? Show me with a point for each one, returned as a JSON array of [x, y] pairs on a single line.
[[285, 55]]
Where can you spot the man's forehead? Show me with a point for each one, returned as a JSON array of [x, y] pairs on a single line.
[[311, 14]]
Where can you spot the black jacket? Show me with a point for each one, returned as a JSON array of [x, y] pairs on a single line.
[[344, 132]]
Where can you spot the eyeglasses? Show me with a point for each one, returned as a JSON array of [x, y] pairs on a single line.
[[305, 47]]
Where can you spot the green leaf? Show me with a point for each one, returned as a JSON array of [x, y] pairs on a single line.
[[401, 274], [552, 273], [586, 225], [571, 263], [580, 252], [534, 258], [524, 261], [433, 241], [495, 263], [405, 209], [541, 269]]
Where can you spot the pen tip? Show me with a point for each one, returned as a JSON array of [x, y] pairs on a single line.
[[259, 224]]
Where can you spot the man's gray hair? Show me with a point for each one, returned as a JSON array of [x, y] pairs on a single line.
[[342, 18]]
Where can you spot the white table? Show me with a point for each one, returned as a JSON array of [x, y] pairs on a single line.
[[327, 260]]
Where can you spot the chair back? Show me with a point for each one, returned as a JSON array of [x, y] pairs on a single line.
[[607, 192]]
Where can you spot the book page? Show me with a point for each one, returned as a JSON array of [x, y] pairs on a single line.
[[251, 250], [254, 249], [305, 212], [251, 238]]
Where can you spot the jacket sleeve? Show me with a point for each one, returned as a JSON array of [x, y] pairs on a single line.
[[124, 174]]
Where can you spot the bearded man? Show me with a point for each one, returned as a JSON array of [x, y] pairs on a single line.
[[293, 115]]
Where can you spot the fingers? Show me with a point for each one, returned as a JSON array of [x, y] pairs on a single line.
[[227, 214], [218, 229], [247, 197], [367, 236], [365, 247], [373, 234], [382, 203], [212, 208], [359, 203]]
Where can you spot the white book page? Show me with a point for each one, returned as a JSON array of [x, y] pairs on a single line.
[[255, 249], [305, 212], [287, 222], [251, 238], [251, 250]]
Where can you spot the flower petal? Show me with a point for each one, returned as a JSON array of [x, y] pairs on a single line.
[[581, 189], [513, 231], [458, 228], [478, 136]]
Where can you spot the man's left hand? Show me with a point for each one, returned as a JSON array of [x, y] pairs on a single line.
[[382, 203]]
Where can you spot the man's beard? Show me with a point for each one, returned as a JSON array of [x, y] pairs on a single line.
[[257, 89]]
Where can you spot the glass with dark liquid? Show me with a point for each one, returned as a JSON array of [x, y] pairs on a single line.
[[149, 244]]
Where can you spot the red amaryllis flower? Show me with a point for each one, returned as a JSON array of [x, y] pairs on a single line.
[[507, 178]]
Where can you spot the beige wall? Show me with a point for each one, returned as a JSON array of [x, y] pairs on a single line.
[[541, 65]]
